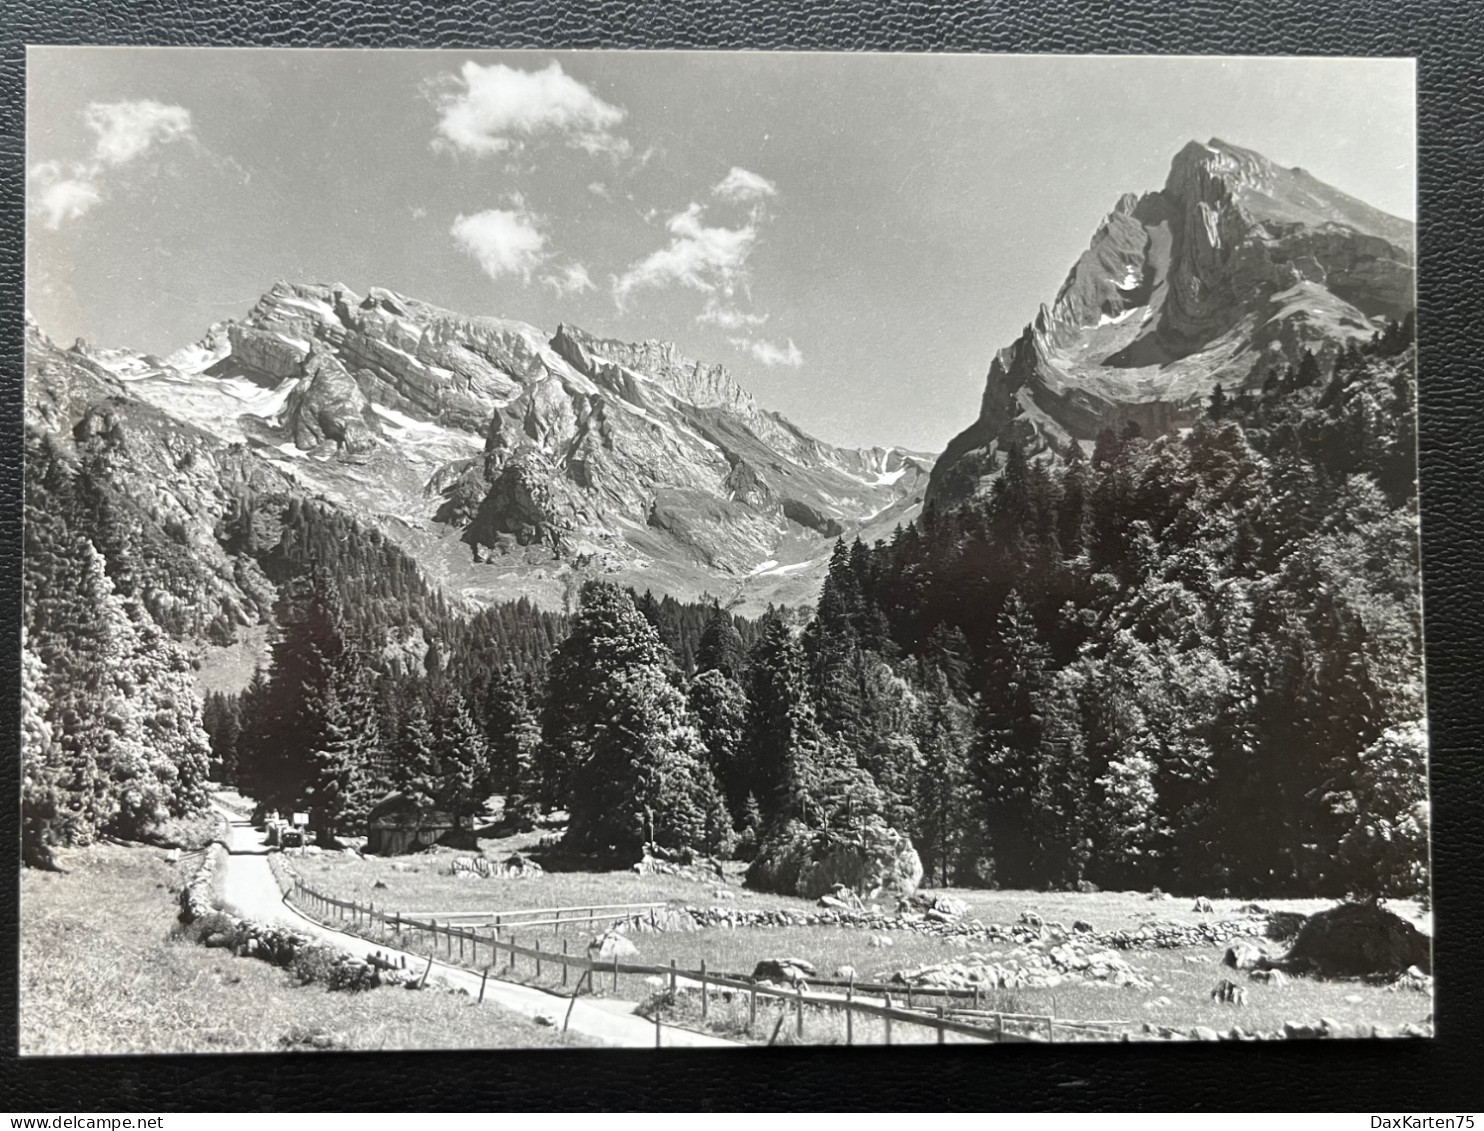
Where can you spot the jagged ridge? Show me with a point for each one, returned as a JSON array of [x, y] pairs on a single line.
[[1234, 266]]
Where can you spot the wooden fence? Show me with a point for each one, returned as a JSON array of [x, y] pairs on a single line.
[[464, 944]]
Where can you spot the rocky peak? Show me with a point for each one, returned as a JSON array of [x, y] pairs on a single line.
[[1235, 265]]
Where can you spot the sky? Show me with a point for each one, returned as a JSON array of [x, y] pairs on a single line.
[[854, 236]]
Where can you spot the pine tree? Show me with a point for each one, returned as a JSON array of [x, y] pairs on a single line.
[[941, 788], [721, 648], [719, 707], [39, 764], [417, 772], [605, 642], [782, 737], [463, 757], [1005, 761], [640, 777], [334, 762], [513, 736]]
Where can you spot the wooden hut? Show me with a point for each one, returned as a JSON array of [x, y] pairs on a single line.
[[400, 823]]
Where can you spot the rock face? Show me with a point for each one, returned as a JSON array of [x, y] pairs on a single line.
[[550, 456], [1235, 266], [177, 491]]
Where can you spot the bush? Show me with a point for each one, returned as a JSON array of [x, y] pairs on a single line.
[[215, 929], [324, 965]]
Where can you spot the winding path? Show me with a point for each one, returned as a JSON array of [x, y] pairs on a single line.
[[250, 888]]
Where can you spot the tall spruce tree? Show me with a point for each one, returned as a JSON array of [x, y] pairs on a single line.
[[641, 777]]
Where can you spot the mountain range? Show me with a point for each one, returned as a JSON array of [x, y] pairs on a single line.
[[508, 460]]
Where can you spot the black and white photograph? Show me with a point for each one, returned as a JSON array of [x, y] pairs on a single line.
[[701, 549]]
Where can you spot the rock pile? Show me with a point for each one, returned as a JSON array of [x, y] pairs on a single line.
[[1291, 1031], [513, 867], [661, 919], [705, 871], [1036, 965], [1154, 935]]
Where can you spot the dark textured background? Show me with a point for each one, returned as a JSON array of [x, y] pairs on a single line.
[[1445, 35]]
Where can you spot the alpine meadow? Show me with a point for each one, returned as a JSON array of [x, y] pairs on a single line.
[[461, 632]]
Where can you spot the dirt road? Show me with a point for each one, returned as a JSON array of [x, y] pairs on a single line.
[[250, 889]]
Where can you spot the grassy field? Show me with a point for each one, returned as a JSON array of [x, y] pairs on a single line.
[[1181, 978], [422, 882], [104, 970]]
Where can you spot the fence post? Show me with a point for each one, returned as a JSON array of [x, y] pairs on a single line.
[[673, 980], [704, 994], [976, 997], [485, 978], [512, 950], [423, 981], [751, 1008], [942, 1034], [850, 1013], [909, 995], [615, 973], [556, 923], [657, 1022], [799, 1008], [461, 946], [564, 964], [538, 956], [887, 1019]]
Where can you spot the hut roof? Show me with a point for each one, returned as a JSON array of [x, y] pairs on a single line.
[[404, 810]]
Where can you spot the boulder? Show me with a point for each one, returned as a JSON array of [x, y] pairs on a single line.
[[1082, 926], [878, 941], [1229, 993], [847, 972], [1356, 940], [809, 864], [1271, 977], [789, 970], [610, 945], [1413, 979], [1203, 906], [1246, 954]]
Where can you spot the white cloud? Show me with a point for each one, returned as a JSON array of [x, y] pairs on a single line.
[[769, 354], [699, 257], [729, 317], [485, 110], [58, 197], [740, 187], [123, 132], [502, 242], [572, 279], [127, 130]]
